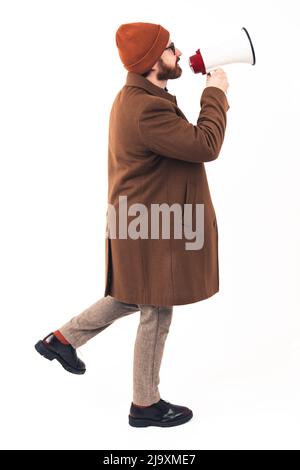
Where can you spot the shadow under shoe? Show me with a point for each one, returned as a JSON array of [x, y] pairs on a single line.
[[162, 413], [51, 348]]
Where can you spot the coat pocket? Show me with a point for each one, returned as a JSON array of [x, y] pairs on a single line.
[[189, 209]]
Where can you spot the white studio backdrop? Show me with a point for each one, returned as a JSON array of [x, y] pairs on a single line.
[[234, 358]]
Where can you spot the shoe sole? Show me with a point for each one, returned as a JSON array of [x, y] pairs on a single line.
[[142, 422], [50, 355]]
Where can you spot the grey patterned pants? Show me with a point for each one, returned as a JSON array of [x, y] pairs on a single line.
[[149, 344]]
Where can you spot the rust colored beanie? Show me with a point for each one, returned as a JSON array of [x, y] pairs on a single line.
[[140, 45]]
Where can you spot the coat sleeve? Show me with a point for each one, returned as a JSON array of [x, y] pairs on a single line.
[[166, 133]]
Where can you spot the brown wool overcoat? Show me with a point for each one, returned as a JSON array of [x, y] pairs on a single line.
[[156, 156]]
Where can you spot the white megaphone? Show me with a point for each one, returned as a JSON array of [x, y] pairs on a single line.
[[236, 49]]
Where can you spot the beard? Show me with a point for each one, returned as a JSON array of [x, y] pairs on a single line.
[[168, 72]]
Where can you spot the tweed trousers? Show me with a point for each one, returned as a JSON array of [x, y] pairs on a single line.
[[149, 345]]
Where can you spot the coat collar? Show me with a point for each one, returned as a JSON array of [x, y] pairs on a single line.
[[137, 80]]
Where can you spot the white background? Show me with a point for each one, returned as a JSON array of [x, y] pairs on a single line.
[[234, 358]]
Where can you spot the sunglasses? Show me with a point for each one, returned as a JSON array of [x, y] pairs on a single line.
[[171, 46]]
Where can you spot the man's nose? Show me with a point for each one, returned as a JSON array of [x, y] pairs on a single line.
[[178, 52]]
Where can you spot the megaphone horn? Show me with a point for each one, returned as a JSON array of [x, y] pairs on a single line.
[[238, 48]]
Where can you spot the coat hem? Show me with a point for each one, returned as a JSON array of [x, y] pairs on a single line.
[[177, 301]]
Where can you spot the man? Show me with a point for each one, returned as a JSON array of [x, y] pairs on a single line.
[[155, 157]]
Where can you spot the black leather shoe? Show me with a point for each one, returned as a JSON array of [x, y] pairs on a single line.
[[162, 414], [51, 348]]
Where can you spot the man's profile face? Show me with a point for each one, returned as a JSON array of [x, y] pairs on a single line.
[[167, 65]]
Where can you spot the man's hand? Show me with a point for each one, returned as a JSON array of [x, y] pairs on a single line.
[[217, 78]]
